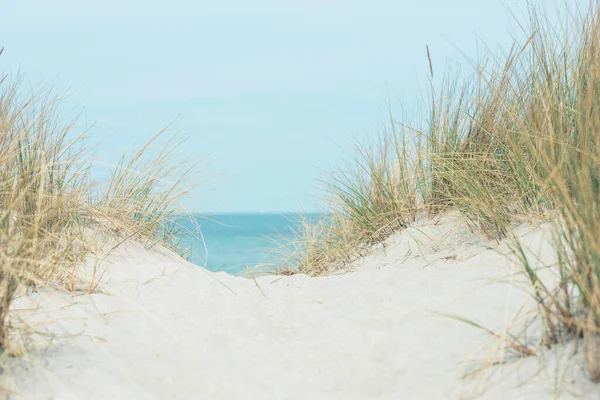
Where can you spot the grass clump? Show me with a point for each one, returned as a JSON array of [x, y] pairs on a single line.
[[39, 186], [371, 200], [519, 139], [48, 204], [562, 127], [142, 197]]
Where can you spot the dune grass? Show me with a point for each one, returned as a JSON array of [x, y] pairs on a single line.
[[143, 196], [518, 139], [561, 127], [373, 198], [49, 204]]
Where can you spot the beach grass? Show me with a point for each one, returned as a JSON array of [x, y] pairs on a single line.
[[49, 201], [518, 139]]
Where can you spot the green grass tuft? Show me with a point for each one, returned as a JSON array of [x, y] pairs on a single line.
[[519, 140], [48, 203]]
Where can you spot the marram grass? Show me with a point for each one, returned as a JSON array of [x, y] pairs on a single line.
[[518, 139], [48, 203]]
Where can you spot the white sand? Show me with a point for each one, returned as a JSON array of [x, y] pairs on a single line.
[[161, 328]]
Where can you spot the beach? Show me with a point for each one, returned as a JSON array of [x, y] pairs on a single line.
[[221, 222], [158, 327]]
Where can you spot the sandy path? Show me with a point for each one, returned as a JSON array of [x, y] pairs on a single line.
[[170, 330]]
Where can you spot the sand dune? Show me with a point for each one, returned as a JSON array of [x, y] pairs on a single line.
[[161, 328]]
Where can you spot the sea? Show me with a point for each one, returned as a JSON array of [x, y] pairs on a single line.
[[237, 243]]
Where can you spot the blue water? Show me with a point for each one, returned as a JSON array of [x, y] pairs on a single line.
[[236, 242]]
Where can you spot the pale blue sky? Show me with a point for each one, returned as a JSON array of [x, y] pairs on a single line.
[[271, 92]]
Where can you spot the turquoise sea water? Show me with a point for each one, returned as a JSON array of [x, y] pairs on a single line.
[[235, 242]]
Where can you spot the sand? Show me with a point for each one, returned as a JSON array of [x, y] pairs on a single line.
[[158, 327]]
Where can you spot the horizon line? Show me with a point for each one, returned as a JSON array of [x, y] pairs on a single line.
[[263, 212]]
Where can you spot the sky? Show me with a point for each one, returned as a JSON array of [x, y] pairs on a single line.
[[272, 94]]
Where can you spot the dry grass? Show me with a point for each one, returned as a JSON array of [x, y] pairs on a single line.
[[48, 203], [557, 136], [142, 198], [520, 139], [374, 197]]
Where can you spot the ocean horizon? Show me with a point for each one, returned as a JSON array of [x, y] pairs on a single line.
[[236, 242]]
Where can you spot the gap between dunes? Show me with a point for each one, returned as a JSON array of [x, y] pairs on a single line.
[[158, 327]]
